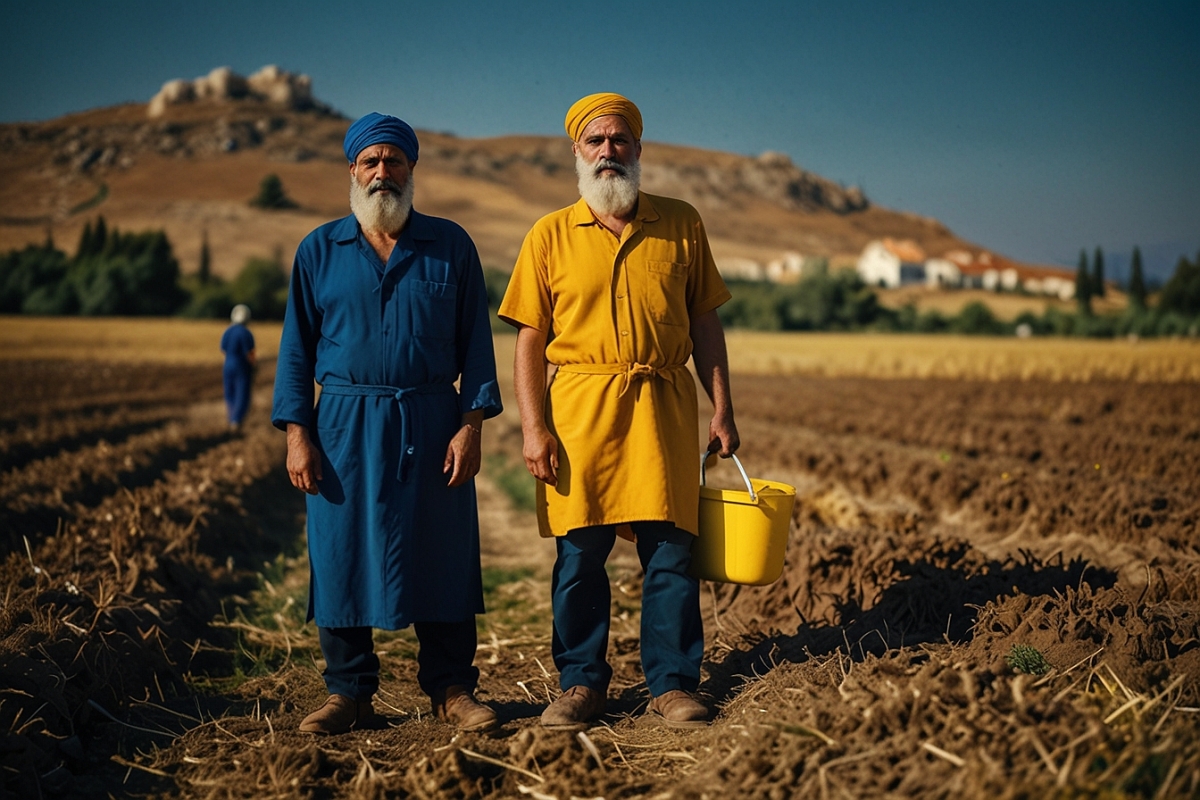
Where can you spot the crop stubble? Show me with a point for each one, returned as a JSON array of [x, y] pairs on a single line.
[[938, 523]]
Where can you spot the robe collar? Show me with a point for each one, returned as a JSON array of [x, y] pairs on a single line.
[[419, 229], [582, 214]]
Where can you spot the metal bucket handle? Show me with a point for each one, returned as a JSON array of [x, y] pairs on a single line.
[[753, 495]]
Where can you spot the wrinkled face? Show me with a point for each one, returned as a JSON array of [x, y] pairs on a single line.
[[381, 188], [610, 139], [382, 168], [608, 166]]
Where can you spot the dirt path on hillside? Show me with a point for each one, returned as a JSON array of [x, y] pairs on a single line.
[[152, 638]]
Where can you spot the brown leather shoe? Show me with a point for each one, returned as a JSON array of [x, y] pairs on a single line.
[[457, 706], [340, 714], [574, 709], [679, 709]]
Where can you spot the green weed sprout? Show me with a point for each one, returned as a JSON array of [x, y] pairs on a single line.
[[1026, 659]]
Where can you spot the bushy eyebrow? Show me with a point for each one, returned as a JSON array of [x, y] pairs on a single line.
[[596, 138], [391, 161]]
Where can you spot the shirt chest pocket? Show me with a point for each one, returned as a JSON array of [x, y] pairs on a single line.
[[666, 292], [433, 309]]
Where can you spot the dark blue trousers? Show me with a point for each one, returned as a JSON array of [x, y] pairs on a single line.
[[237, 392], [672, 636], [445, 658]]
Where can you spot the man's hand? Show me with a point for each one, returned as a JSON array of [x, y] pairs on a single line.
[[529, 383], [723, 435], [541, 456], [303, 459], [463, 452], [712, 367]]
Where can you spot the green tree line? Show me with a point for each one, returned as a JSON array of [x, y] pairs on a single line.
[[132, 274], [116, 273], [841, 301]]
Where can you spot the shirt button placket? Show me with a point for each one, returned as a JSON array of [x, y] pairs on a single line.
[[624, 318]]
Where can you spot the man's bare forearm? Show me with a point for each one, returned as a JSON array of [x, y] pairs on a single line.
[[712, 361], [529, 382], [297, 433], [529, 379]]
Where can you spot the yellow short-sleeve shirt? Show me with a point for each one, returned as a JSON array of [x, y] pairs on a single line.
[[622, 402]]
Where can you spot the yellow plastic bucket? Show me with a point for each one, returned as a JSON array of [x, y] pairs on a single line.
[[743, 535]]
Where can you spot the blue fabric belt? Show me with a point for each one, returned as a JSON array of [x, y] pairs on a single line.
[[407, 448]]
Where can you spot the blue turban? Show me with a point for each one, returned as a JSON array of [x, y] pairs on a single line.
[[376, 128]]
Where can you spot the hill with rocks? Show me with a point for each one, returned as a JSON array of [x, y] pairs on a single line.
[[189, 160]]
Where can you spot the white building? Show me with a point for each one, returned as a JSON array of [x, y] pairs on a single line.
[[788, 268], [996, 273], [1061, 287], [942, 272], [738, 268], [890, 263]]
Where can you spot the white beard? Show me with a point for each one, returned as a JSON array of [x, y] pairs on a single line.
[[380, 213], [609, 194]]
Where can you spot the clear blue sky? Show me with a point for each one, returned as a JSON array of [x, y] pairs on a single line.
[[1032, 128]]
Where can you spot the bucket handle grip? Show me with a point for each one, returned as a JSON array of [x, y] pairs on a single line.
[[753, 495]]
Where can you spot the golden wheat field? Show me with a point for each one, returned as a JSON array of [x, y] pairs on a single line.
[[991, 588], [177, 341], [162, 341], [888, 356]]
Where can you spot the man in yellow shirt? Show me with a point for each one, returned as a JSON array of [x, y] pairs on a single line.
[[616, 292]]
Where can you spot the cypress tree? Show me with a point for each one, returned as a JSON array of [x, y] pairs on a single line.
[[85, 242], [1182, 292], [1137, 283], [1098, 273], [205, 271], [1083, 285], [99, 237]]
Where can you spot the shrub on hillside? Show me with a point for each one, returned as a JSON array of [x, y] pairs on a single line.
[[209, 299], [263, 286], [822, 302], [30, 281], [977, 319], [1103, 326], [271, 194], [1174, 324], [909, 319], [495, 283], [819, 302], [754, 305], [1038, 326]]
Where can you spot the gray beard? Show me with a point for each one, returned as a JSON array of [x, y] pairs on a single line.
[[611, 195], [381, 213]]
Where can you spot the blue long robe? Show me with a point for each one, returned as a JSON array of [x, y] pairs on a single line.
[[389, 543], [236, 344]]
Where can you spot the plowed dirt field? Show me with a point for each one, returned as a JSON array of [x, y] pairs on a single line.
[[152, 636]]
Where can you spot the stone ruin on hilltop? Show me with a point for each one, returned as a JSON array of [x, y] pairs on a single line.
[[270, 85]]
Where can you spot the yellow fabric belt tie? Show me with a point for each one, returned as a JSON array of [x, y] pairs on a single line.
[[630, 371]]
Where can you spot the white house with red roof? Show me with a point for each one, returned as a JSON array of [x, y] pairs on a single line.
[[891, 263]]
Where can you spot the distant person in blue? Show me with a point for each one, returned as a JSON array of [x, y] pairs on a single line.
[[237, 343], [387, 309]]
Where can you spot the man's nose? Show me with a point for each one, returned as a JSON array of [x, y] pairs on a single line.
[[608, 149]]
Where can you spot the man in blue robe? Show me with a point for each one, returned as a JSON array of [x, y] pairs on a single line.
[[387, 310]]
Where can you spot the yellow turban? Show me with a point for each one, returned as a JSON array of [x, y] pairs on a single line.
[[602, 105]]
